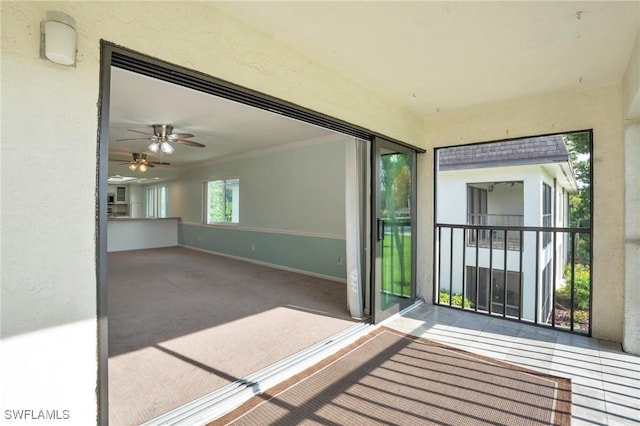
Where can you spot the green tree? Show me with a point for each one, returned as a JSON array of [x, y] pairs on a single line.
[[579, 147], [216, 201], [395, 175], [581, 286]]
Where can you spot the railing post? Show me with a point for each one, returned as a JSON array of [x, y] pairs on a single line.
[[490, 284], [504, 277], [437, 296], [573, 276], [520, 276], [553, 291], [464, 265], [475, 305], [451, 265], [537, 313]]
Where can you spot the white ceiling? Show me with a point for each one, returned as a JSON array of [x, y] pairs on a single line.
[[227, 128], [424, 56], [428, 56]]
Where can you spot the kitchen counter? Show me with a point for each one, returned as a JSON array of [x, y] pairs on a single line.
[[132, 233]]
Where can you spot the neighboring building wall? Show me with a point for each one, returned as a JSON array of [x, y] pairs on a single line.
[[525, 199], [597, 108], [50, 117], [452, 191]]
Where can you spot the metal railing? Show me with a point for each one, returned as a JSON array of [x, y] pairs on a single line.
[[485, 237], [495, 219], [544, 284]]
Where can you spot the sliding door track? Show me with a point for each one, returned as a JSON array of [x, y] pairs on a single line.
[[219, 402]]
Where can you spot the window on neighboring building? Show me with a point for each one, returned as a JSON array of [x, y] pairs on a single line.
[[222, 198], [497, 292], [547, 218], [477, 290], [156, 201], [476, 212]]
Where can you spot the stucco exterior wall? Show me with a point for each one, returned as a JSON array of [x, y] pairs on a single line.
[[49, 123], [631, 339], [631, 109], [631, 83], [597, 108]]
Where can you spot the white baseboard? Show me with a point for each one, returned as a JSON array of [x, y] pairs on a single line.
[[270, 265]]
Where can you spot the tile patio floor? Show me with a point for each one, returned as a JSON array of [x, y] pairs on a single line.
[[605, 381]]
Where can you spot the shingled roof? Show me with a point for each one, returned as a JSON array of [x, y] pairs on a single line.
[[538, 150]]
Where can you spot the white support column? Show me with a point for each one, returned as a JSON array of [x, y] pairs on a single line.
[[631, 332]]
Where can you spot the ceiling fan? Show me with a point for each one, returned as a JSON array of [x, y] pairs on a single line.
[[162, 136], [141, 163]]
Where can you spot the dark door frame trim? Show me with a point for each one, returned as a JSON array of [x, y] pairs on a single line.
[[121, 57]]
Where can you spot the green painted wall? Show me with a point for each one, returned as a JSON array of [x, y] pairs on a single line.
[[292, 207], [318, 255]]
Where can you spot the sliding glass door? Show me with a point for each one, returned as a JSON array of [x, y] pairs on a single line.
[[394, 235]]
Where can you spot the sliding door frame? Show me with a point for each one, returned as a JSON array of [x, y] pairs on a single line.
[[380, 313], [121, 57]]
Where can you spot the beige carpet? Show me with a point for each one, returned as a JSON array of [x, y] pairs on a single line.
[[183, 323], [393, 379]]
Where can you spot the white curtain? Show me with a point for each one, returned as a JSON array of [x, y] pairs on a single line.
[[356, 221]]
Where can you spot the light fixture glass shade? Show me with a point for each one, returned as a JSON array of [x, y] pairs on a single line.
[[166, 148], [60, 43], [133, 167], [143, 168], [154, 146]]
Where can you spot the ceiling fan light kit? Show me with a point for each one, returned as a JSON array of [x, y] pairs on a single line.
[[166, 148], [142, 167], [140, 162], [162, 138], [161, 146]]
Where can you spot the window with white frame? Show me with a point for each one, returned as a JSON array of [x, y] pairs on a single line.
[[222, 200], [156, 201], [547, 218]]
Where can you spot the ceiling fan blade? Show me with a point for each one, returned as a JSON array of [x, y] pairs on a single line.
[[132, 139], [176, 136], [137, 131], [190, 143], [149, 165], [122, 164], [159, 163]]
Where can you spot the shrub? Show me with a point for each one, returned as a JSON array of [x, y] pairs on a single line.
[[580, 317], [457, 299], [581, 285]]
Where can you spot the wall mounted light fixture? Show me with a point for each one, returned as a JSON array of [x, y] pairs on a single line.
[[58, 39]]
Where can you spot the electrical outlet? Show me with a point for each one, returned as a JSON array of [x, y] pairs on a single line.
[[253, 247], [199, 237], [340, 260]]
